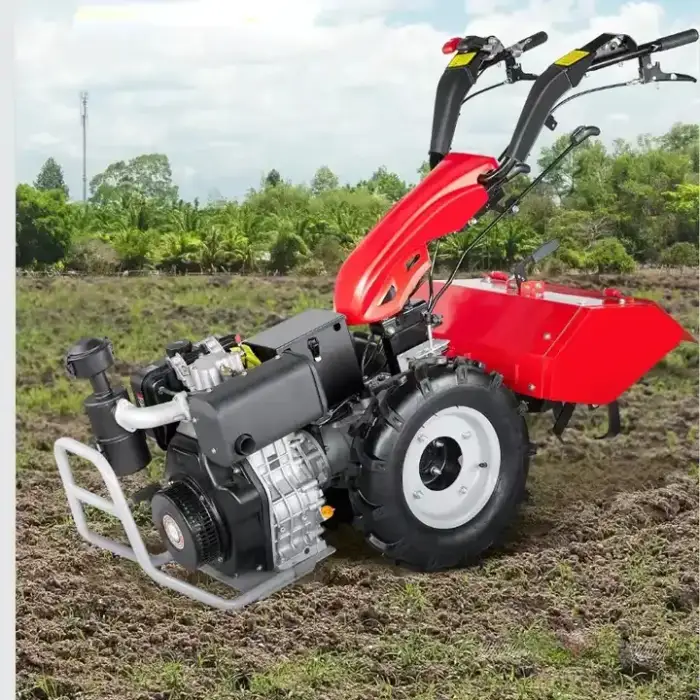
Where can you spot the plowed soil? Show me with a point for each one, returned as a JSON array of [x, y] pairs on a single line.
[[594, 596]]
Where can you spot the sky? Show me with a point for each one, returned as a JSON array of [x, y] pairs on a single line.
[[230, 89]]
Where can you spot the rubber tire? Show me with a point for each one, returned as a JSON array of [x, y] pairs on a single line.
[[382, 513]]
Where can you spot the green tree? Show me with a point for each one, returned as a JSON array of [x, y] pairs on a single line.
[[609, 255], [638, 199], [273, 178], [682, 254], [423, 170], [50, 177], [385, 183], [324, 180], [148, 176], [44, 224], [286, 252]]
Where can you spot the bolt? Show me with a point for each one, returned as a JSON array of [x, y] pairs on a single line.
[[435, 471], [482, 465], [194, 420], [463, 490], [417, 494], [547, 336], [466, 436], [439, 443], [421, 438], [213, 450], [531, 387], [258, 567], [282, 530]]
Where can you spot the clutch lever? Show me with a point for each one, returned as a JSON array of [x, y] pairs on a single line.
[[651, 73]]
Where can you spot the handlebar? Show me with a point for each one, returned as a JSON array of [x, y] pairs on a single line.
[[520, 47], [474, 55], [566, 73], [675, 41]]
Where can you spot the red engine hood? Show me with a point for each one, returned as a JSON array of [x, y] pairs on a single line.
[[376, 281]]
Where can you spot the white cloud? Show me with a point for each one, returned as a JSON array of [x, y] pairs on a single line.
[[231, 89], [42, 139]]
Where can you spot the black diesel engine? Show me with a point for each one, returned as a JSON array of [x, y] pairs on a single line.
[[251, 437]]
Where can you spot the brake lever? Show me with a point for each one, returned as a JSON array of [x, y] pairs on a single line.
[[514, 72], [651, 73]]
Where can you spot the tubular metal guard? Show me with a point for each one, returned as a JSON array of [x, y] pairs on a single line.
[[252, 586]]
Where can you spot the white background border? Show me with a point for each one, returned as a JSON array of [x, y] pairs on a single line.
[[7, 352]]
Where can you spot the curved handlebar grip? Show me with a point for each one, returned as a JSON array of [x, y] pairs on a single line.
[[532, 42], [544, 250], [583, 133], [673, 41]]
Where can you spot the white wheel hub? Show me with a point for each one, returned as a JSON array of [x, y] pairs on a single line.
[[451, 467]]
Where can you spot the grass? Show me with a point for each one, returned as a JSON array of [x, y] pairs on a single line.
[[593, 596]]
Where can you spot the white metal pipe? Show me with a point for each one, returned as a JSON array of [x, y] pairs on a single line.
[[133, 418]]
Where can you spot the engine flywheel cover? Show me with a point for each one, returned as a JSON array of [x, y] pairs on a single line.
[[187, 524]]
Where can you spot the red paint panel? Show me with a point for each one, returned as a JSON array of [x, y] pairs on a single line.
[[567, 345], [394, 254]]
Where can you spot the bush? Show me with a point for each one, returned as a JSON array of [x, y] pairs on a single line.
[[93, 256], [609, 255], [680, 255], [311, 267], [571, 259], [553, 267], [330, 254]]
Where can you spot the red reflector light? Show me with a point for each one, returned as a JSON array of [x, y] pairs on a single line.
[[451, 45], [612, 293], [498, 275]]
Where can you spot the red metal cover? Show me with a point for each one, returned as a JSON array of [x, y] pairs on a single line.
[[560, 344], [377, 279]]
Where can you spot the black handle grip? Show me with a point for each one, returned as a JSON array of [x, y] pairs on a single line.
[[544, 250], [532, 42], [673, 41], [583, 133]]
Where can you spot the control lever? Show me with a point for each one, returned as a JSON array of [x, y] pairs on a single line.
[[582, 133], [518, 169], [651, 73], [514, 72], [520, 270]]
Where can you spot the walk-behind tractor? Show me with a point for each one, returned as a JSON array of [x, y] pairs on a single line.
[[420, 419]]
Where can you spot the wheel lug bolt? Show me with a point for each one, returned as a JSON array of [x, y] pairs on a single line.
[[417, 494], [482, 465], [421, 438], [463, 490], [466, 436]]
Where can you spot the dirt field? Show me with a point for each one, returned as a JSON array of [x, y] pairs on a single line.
[[595, 596]]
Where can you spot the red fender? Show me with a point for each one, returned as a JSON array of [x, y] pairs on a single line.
[[554, 342], [377, 279]]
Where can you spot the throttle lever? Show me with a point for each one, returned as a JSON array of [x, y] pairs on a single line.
[[582, 133]]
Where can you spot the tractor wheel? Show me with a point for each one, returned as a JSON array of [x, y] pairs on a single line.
[[444, 466]]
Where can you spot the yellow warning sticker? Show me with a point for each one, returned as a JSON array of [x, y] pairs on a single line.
[[570, 58], [461, 59]]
